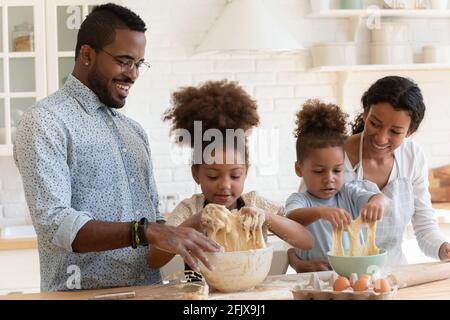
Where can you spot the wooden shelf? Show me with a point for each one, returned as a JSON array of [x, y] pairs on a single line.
[[413, 14], [382, 67]]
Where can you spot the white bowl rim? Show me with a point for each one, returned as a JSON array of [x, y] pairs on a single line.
[[253, 251]]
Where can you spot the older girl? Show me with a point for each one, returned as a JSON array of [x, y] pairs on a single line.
[[222, 105]]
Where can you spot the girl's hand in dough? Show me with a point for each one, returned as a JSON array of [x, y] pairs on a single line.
[[253, 217]]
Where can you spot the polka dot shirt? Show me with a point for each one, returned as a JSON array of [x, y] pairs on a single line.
[[79, 161]]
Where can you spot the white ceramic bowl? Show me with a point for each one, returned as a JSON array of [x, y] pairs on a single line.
[[391, 32], [391, 53], [237, 271], [334, 54]]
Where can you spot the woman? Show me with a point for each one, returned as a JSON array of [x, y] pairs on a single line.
[[379, 157]]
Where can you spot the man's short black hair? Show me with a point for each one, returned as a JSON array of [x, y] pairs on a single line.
[[98, 29]]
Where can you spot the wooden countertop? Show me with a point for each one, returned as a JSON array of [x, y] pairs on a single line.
[[438, 290], [441, 205], [273, 288], [18, 244]]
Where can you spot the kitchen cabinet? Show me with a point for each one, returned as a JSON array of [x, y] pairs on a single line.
[[37, 50], [19, 271], [22, 63], [64, 18]]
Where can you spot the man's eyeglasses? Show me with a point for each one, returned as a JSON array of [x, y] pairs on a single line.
[[128, 64]]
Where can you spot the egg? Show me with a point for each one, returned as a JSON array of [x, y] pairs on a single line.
[[382, 285], [361, 284], [341, 284], [368, 277]]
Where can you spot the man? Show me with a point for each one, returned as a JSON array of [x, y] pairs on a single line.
[[87, 170]]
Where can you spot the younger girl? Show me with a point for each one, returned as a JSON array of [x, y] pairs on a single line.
[[222, 105], [328, 202]]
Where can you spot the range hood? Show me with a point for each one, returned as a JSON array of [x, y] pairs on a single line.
[[247, 26]]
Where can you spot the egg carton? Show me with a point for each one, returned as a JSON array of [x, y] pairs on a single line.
[[317, 289]]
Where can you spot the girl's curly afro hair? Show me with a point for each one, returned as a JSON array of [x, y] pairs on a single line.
[[221, 105], [217, 104]]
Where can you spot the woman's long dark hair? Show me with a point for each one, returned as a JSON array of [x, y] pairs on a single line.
[[401, 93]]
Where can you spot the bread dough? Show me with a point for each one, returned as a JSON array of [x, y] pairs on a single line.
[[371, 248], [337, 249], [355, 248], [233, 230], [353, 229]]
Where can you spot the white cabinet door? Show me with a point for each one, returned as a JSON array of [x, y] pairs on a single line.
[[22, 63], [37, 50], [64, 18], [19, 271]]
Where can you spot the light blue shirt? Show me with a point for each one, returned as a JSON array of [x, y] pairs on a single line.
[[350, 198], [82, 161]]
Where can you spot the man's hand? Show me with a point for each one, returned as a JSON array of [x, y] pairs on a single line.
[[339, 218], [444, 251], [374, 209], [190, 244]]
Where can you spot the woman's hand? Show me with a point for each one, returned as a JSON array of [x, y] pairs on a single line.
[[339, 218], [444, 251], [374, 209]]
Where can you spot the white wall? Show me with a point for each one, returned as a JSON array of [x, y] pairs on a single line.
[[279, 83]]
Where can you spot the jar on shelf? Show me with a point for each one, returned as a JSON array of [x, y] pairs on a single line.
[[22, 37]]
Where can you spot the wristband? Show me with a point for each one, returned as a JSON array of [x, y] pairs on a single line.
[[135, 241], [142, 231]]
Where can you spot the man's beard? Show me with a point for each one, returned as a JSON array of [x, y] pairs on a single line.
[[100, 87]]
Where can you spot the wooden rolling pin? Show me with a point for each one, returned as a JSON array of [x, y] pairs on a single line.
[[414, 274]]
